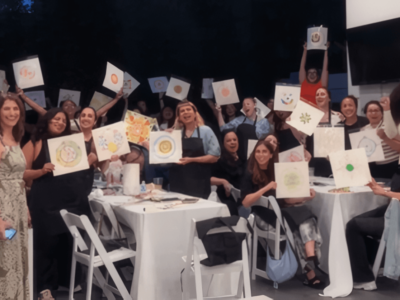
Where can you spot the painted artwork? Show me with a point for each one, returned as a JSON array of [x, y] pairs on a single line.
[[286, 97], [138, 127], [328, 140], [158, 84], [28, 73], [251, 144], [130, 84], [317, 38], [225, 92], [36, 96], [370, 141], [114, 79], [305, 117], [99, 100], [165, 147], [261, 109], [207, 90], [295, 154], [71, 95], [292, 180], [68, 154], [350, 168], [110, 140], [3, 86], [178, 89]]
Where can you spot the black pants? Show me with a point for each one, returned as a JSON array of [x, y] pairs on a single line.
[[372, 224]]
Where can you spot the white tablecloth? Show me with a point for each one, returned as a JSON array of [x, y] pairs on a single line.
[[162, 239], [333, 212]]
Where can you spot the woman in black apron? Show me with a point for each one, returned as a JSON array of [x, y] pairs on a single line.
[[192, 175]]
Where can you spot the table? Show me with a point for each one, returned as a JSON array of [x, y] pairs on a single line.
[[333, 212], [162, 239]]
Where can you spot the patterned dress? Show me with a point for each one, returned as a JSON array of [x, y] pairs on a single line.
[[14, 253]]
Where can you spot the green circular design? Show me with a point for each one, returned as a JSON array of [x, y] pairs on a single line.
[[349, 167]]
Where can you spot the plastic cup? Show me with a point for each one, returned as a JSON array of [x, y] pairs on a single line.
[[158, 182]]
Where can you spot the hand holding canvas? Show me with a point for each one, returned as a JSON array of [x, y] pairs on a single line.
[[184, 161], [92, 158], [47, 168], [119, 94], [381, 133]]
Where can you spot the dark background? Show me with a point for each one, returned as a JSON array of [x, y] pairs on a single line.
[[257, 42]]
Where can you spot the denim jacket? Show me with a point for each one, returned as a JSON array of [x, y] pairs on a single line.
[[392, 238]]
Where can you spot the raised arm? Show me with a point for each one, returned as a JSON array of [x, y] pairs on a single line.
[[110, 104], [36, 107], [325, 73], [219, 116], [390, 126], [302, 71]]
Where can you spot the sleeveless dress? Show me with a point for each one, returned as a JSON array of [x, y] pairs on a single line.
[[14, 283]]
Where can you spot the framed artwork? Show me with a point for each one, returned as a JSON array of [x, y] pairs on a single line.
[[137, 127], [130, 84], [328, 140], [350, 168], [292, 180], [178, 89], [251, 144], [286, 97], [28, 73], [305, 117], [165, 147], [68, 154], [225, 92], [295, 154], [261, 108], [207, 90], [158, 84], [114, 79], [99, 100], [110, 140], [370, 141], [317, 37], [38, 97], [74, 96]]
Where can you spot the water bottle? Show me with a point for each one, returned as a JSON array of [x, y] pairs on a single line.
[[143, 187]]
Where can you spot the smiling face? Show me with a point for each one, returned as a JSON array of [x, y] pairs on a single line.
[[231, 143], [167, 114], [230, 110], [348, 108], [272, 140], [249, 107], [187, 114], [87, 118], [70, 108], [374, 114], [322, 98], [9, 114], [312, 75], [262, 156], [57, 124]]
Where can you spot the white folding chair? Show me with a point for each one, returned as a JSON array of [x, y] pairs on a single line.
[[92, 261], [243, 211], [193, 265]]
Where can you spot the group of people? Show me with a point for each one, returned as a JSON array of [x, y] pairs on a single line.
[[206, 160]]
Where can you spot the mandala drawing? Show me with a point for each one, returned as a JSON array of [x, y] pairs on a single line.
[[68, 154], [292, 180], [224, 91], [111, 140], [368, 144], [287, 99], [114, 78], [177, 89], [159, 84], [305, 118], [164, 147], [27, 72], [137, 127]]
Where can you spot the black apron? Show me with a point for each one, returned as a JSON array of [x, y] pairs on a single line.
[[245, 132], [192, 179]]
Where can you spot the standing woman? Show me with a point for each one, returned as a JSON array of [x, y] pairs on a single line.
[[323, 99], [166, 119], [200, 149], [14, 213]]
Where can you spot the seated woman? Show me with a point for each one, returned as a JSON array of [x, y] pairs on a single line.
[[228, 170], [257, 182]]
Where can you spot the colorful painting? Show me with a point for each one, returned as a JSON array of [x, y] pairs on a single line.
[[292, 180], [225, 92], [286, 97], [36, 96], [292, 155], [370, 141], [114, 79], [99, 100], [28, 73], [328, 140], [68, 154], [110, 140], [138, 127], [178, 89], [317, 38], [158, 84], [350, 168], [305, 117], [130, 84], [165, 147], [207, 90], [71, 95]]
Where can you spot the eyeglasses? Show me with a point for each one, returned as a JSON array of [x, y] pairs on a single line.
[[377, 111]]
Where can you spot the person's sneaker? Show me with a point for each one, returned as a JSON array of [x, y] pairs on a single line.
[[367, 286], [45, 295]]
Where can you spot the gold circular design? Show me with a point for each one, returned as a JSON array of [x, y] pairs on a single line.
[[165, 147]]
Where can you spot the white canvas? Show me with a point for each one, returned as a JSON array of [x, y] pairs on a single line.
[[68, 154], [286, 97], [165, 147], [292, 180], [178, 89], [110, 140], [350, 168], [328, 140], [250, 147], [38, 97], [305, 117], [225, 92], [130, 84], [370, 141], [317, 38], [207, 90], [3, 86], [295, 154], [99, 100], [261, 108], [114, 79], [28, 73], [158, 84], [74, 96]]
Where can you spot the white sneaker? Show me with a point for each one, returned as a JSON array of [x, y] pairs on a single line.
[[367, 286]]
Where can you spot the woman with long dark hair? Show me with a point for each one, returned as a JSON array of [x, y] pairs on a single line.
[[166, 119]]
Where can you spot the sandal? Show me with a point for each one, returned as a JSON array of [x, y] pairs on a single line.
[[311, 283], [45, 295]]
